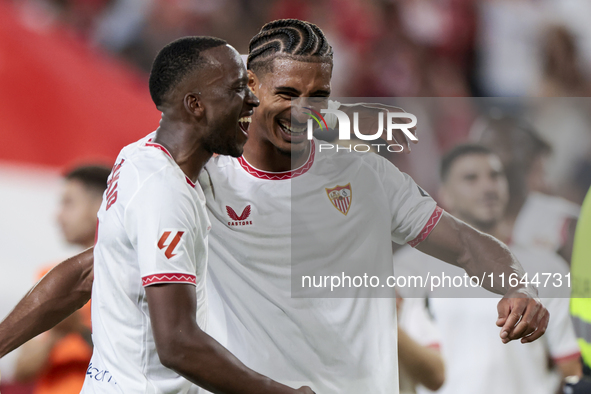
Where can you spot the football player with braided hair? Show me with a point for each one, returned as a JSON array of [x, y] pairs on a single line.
[[333, 345]]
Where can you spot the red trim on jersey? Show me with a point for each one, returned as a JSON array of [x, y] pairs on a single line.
[[568, 357], [163, 149], [564, 231], [168, 278], [190, 182], [96, 231], [434, 346], [158, 146], [278, 176], [431, 223]]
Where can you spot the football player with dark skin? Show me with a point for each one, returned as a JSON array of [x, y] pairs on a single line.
[[204, 107], [276, 76]]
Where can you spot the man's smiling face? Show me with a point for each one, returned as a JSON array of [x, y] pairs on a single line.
[[288, 79]]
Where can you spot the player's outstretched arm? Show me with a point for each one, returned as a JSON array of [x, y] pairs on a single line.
[[521, 314], [65, 289], [183, 347]]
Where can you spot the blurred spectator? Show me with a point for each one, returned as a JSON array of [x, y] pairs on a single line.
[[507, 47], [81, 16], [57, 360], [121, 23], [568, 167], [517, 50], [419, 360], [81, 199], [389, 48], [562, 74], [533, 218], [475, 190]]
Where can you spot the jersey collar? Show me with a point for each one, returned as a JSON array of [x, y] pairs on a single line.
[[278, 176]]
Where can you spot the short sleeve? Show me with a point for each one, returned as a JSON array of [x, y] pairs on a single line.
[[560, 335], [414, 212], [415, 320], [161, 223]]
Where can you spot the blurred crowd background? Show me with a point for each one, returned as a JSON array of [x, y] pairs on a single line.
[[73, 88], [383, 48], [429, 48]]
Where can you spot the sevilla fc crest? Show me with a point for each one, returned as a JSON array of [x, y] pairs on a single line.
[[340, 197]]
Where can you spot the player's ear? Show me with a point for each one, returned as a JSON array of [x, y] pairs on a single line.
[[253, 82], [194, 104]]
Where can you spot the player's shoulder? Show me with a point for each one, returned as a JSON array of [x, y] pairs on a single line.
[[219, 169], [132, 149], [145, 165], [539, 259], [221, 163], [150, 162], [551, 205]]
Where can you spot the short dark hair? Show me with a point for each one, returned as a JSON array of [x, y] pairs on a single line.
[[458, 152], [93, 177], [291, 38], [175, 61]]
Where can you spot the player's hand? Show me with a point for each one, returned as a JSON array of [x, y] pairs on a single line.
[[522, 315], [369, 121], [305, 390]]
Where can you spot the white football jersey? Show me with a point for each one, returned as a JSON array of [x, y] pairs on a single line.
[[415, 320], [476, 361], [337, 207], [542, 220], [152, 229]]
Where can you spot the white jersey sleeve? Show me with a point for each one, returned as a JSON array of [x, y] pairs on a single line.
[[560, 334], [543, 220], [160, 221], [414, 212], [415, 320]]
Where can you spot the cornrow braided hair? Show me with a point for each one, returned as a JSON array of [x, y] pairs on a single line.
[[291, 38]]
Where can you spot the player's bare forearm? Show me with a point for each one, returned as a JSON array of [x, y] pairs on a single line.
[[424, 364], [457, 243], [219, 371], [183, 347], [61, 292], [521, 314]]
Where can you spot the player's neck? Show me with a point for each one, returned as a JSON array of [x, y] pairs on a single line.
[[264, 156], [184, 146]]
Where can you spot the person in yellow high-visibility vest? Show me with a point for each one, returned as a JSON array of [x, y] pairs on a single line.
[[581, 281]]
